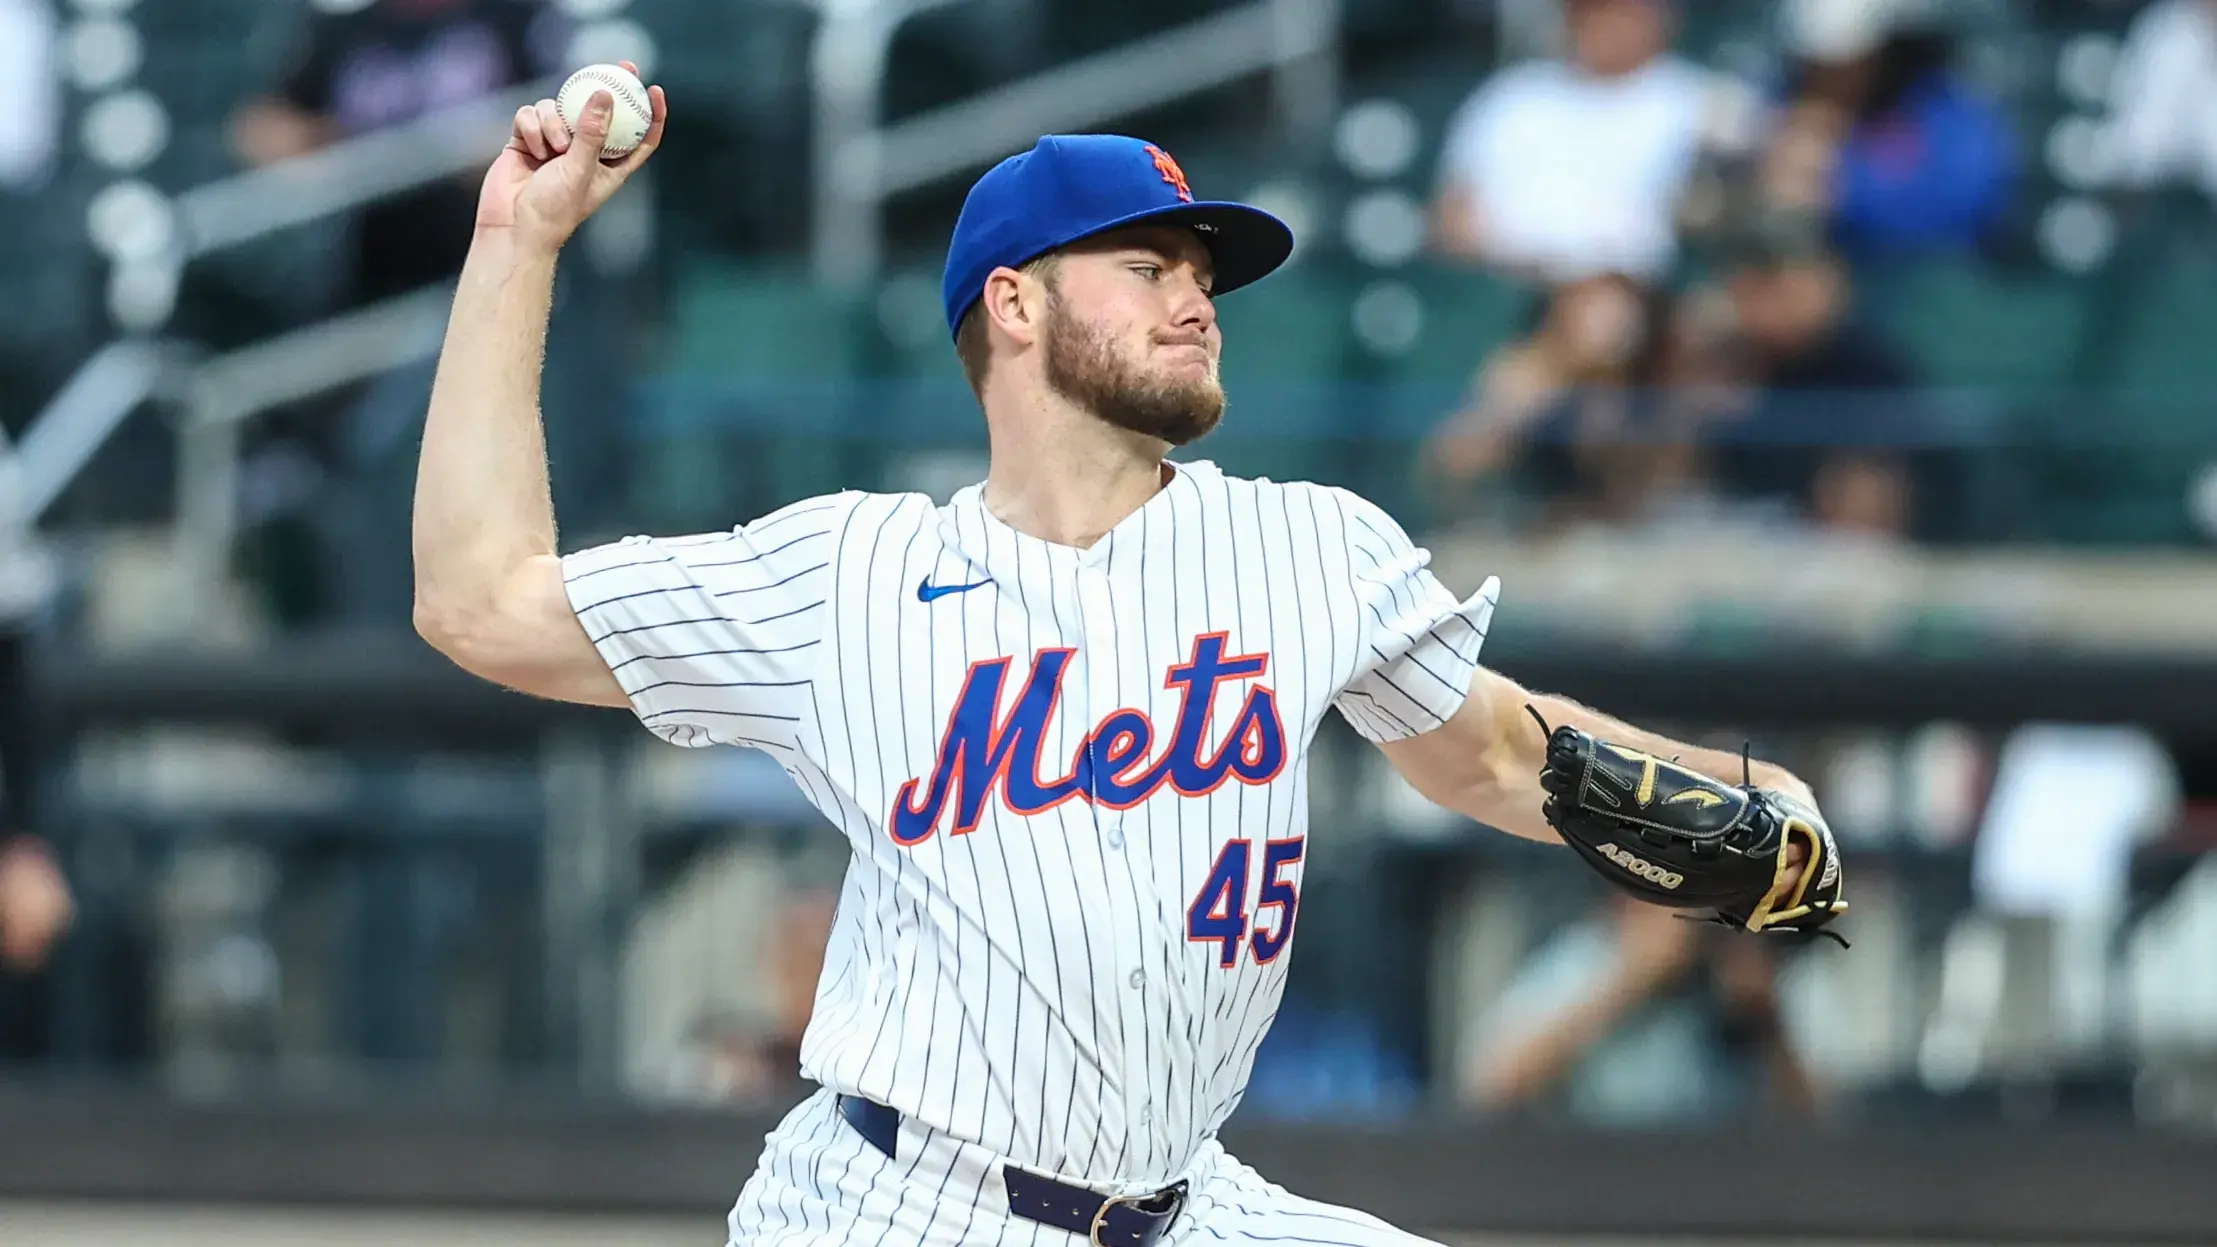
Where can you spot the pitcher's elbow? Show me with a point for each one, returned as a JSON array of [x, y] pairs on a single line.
[[441, 626]]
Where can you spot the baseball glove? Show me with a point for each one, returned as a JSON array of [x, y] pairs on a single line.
[[1670, 836]]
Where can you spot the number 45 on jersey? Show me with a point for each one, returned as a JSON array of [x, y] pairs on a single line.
[[1219, 912]]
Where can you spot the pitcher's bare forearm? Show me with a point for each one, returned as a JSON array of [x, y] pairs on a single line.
[[1717, 764], [488, 577], [489, 588], [1485, 761], [483, 505]]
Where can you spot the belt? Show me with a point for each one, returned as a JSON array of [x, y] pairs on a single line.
[[1111, 1221]]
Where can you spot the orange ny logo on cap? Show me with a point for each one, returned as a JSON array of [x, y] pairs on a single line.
[[1170, 172]]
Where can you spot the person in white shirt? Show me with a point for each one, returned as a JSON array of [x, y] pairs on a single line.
[[30, 95], [1557, 170], [2163, 99]]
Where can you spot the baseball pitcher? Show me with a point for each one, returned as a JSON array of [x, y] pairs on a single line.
[[1063, 721]]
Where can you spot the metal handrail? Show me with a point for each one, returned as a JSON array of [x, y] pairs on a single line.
[[860, 164], [847, 81], [347, 174], [1137, 76], [221, 394], [78, 422], [363, 343], [228, 212]]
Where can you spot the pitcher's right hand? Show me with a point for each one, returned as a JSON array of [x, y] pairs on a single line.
[[548, 180]]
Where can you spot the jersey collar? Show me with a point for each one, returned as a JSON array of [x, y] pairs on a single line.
[[969, 527]]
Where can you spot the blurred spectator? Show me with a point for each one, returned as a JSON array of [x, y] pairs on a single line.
[[1626, 405], [35, 903], [30, 98], [1906, 154], [1809, 426], [1633, 1017], [30, 95], [2163, 98], [380, 65], [1560, 170], [1584, 413], [721, 970], [383, 64]]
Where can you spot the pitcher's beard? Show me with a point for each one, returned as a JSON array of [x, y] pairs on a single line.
[[1083, 366]]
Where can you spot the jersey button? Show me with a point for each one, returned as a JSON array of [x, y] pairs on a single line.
[[1138, 979], [1115, 839]]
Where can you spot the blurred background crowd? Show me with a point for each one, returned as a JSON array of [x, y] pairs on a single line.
[[1734, 332]]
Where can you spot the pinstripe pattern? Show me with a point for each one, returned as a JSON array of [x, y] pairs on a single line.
[[819, 1184], [1028, 987]]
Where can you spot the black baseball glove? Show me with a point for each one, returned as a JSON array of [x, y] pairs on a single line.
[[1670, 836]]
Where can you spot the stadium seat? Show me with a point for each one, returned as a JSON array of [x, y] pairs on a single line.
[[2131, 453], [2167, 320], [905, 327], [1292, 326], [1077, 30], [1284, 346], [48, 266], [1464, 316], [201, 80], [729, 60], [1972, 326], [760, 324], [757, 382], [1716, 33], [173, 20], [1432, 87]]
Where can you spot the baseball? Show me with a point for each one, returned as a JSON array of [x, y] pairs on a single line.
[[627, 125]]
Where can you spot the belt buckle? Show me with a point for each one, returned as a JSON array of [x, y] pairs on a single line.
[[1175, 1195], [1100, 1219]]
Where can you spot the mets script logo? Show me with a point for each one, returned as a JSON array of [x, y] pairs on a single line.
[[982, 751]]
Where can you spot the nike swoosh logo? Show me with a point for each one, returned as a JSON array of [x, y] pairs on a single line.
[[926, 591]]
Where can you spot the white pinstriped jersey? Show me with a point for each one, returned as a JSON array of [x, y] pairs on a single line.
[[1074, 781]]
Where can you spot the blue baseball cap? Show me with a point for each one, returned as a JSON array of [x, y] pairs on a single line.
[[1073, 186]]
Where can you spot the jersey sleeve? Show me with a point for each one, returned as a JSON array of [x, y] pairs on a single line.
[[1416, 646], [714, 637]]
